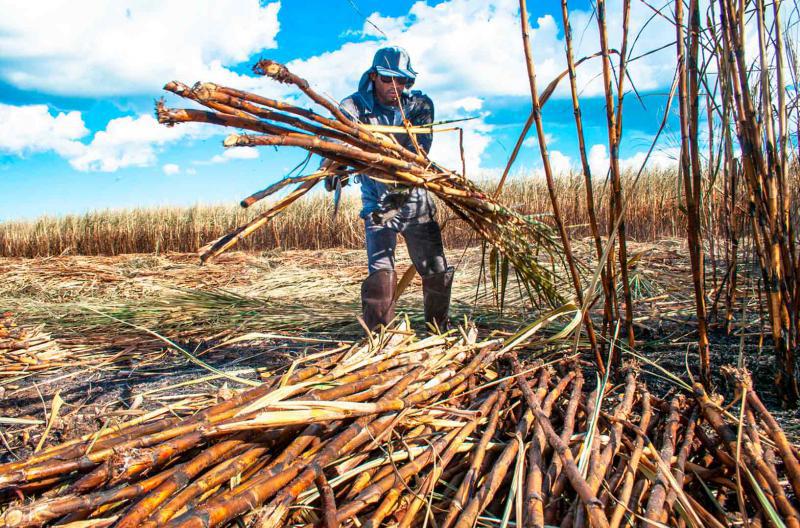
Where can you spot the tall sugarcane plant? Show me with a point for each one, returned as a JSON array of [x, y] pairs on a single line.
[[747, 98]]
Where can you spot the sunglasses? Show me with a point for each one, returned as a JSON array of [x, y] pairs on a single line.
[[400, 81]]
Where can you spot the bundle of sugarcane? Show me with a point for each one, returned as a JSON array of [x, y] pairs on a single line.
[[345, 141], [27, 348], [407, 432]]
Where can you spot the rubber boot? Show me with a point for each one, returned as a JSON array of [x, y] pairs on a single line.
[[377, 298], [436, 295]]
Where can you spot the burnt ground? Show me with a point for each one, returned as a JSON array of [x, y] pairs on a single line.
[[251, 315]]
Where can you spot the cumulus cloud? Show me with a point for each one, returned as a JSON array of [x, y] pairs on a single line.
[[533, 142], [661, 158], [32, 128], [171, 168], [97, 48], [133, 142], [560, 163], [125, 142], [467, 52], [233, 153]]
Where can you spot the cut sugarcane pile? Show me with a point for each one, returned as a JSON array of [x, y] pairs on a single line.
[[517, 238], [444, 431], [24, 348]]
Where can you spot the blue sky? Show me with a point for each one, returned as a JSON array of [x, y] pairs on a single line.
[[78, 81]]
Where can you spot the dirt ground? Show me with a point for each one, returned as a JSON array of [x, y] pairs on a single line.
[[249, 315]]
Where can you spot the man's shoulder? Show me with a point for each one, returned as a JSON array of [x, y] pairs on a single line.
[[419, 103], [353, 103], [419, 95]]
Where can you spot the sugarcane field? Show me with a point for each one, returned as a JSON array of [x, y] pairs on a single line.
[[591, 317]]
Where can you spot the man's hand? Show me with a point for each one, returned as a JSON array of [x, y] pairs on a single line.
[[339, 175]]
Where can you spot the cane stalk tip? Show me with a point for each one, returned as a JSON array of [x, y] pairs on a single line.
[[11, 518], [231, 141], [270, 68]]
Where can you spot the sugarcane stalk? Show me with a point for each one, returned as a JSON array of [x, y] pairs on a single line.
[[135, 516], [683, 455], [633, 465], [292, 480], [554, 475], [596, 515], [690, 168], [729, 438], [495, 478], [565, 240], [615, 174], [587, 173], [778, 437], [467, 487], [281, 73], [658, 493], [41, 512], [219, 475], [442, 463], [597, 474], [328, 502]]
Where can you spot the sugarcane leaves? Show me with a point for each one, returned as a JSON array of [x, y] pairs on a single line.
[[499, 266], [774, 517], [525, 334]]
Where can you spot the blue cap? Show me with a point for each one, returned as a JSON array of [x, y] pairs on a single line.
[[393, 62]]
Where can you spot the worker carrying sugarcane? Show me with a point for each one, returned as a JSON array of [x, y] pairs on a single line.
[[384, 98]]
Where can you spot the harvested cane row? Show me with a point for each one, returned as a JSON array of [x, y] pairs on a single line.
[[443, 430], [345, 141], [26, 349]]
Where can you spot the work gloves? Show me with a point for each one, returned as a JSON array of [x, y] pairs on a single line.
[[340, 175]]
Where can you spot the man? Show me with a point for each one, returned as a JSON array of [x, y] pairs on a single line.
[[384, 98]]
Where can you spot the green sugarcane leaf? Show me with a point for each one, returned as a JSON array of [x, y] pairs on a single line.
[[504, 265]]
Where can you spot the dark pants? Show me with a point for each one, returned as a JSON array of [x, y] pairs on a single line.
[[424, 242]]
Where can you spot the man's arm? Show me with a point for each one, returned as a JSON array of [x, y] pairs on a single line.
[[348, 107], [421, 113]]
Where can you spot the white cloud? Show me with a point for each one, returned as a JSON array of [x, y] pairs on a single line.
[[241, 153], [598, 160], [560, 163], [32, 129], [171, 168], [468, 104], [466, 51], [133, 142], [447, 152], [661, 158], [233, 153], [96, 47], [191, 171], [533, 141], [125, 142]]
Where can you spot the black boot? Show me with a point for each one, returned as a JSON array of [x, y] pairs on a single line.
[[377, 298], [436, 294]]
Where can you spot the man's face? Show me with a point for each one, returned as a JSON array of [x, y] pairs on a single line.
[[388, 89]]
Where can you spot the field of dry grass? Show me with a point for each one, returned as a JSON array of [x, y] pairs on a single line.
[[653, 214], [246, 314]]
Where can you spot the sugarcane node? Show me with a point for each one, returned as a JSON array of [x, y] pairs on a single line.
[[177, 88], [272, 69], [235, 140]]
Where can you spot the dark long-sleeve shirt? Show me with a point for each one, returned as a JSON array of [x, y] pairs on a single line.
[[418, 109]]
